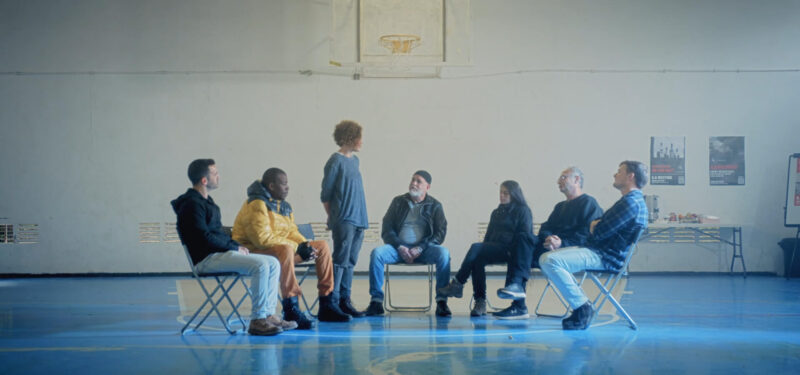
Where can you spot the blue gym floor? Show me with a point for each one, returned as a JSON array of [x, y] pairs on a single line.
[[687, 324]]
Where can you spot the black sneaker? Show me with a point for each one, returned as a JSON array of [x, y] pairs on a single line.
[[291, 311], [512, 291], [375, 309], [442, 309], [512, 312], [347, 307], [580, 318]]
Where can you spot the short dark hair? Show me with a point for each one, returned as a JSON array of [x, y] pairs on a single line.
[[639, 171], [199, 169], [270, 176], [347, 133]]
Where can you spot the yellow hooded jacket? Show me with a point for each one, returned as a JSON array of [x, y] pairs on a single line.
[[263, 222]]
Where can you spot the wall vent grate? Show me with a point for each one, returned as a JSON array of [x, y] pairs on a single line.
[[171, 233], [6, 233], [27, 233], [149, 232]]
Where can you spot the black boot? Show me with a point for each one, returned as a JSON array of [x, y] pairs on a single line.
[[291, 311], [346, 305], [329, 312]]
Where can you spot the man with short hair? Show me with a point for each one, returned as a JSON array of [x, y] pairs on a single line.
[[567, 225], [413, 230], [607, 245], [265, 224], [200, 229]]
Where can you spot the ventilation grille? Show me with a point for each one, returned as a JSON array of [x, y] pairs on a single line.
[[149, 232], [6, 233], [373, 233], [27, 233], [321, 231], [171, 233]]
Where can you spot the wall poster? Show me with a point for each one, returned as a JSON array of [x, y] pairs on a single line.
[[726, 160], [667, 160]]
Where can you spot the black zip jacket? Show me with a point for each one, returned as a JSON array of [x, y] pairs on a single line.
[[508, 222], [432, 212], [200, 226]]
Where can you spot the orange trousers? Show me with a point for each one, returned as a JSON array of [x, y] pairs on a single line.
[[288, 258]]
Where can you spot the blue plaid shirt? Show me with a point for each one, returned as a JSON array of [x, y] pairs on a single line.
[[617, 228]]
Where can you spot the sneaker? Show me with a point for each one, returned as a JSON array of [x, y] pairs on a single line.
[[442, 309], [512, 312], [512, 291], [454, 289], [291, 312], [346, 305], [285, 325], [580, 318], [330, 312], [260, 327], [480, 307], [375, 308]]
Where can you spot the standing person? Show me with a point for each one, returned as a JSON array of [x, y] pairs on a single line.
[[265, 224], [510, 232], [200, 229], [413, 231], [606, 247], [343, 198], [567, 225]]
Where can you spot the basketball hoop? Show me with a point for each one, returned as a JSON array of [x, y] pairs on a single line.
[[400, 44]]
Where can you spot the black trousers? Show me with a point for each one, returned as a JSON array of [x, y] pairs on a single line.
[[518, 255]]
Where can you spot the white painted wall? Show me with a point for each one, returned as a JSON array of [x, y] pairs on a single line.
[[104, 103]]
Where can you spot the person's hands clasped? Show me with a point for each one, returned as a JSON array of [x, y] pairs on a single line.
[[415, 252], [405, 254], [552, 242], [243, 250], [307, 252]]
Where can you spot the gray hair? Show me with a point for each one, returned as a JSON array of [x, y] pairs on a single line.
[[575, 171]]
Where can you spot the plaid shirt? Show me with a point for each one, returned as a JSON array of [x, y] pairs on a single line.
[[617, 228]]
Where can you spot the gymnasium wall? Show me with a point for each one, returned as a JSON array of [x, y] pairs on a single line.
[[104, 103]]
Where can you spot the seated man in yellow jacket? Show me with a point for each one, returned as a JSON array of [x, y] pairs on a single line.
[[265, 225]]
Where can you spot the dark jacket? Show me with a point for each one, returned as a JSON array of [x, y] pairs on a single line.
[[431, 211], [200, 226], [508, 222]]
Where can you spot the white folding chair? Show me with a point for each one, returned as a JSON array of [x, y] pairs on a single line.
[[387, 302], [606, 287], [225, 281]]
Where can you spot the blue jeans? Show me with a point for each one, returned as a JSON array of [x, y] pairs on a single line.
[[347, 240], [560, 264], [264, 270], [387, 254]]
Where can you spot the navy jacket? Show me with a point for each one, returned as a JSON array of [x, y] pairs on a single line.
[[200, 226]]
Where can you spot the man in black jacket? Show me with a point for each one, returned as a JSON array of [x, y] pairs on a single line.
[[568, 225], [200, 229], [413, 230]]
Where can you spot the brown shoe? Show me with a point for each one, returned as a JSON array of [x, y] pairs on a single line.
[[260, 327], [285, 325]]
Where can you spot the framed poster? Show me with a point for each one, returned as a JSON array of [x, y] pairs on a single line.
[[667, 160], [726, 160]]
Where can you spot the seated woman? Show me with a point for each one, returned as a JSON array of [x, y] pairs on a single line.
[[510, 226]]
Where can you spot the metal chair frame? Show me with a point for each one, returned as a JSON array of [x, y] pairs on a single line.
[[387, 302], [605, 287], [225, 281]]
